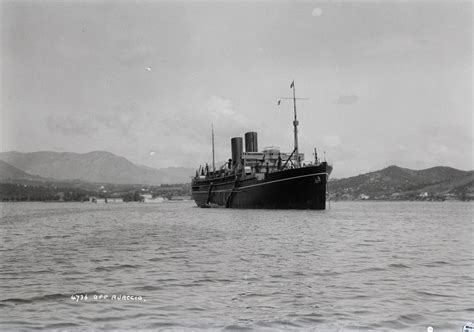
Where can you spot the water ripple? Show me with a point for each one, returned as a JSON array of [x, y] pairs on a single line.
[[357, 266]]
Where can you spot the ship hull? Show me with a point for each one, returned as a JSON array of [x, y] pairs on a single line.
[[300, 188]]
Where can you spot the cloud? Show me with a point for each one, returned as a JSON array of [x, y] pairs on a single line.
[[219, 107], [332, 141], [119, 117], [221, 113], [391, 46], [347, 99], [317, 12], [70, 125]]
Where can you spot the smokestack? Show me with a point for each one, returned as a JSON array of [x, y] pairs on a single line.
[[251, 144], [237, 148]]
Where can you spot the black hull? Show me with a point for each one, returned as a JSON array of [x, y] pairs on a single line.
[[300, 188]]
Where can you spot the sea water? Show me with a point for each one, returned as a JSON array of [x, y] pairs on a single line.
[[355, 266]]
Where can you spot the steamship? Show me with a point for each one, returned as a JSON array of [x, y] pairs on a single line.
[[263, 180]]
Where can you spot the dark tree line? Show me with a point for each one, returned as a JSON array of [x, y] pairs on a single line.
[[77, 192], [133, 197], [20, 192]]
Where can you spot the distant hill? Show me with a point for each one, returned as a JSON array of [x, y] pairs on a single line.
[[391, 183], [11, 173], [96, 166], [396, 183]]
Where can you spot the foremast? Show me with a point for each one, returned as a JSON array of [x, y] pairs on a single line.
[[295, 125], [213, 153]]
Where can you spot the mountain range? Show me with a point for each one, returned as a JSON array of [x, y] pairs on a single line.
[[397, 183], [391, 183], [96, 166], [9, 172]]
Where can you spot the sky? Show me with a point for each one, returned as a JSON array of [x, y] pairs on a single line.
[[388, 83]]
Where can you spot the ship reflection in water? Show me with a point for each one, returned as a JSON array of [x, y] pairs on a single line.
[[267, 180]]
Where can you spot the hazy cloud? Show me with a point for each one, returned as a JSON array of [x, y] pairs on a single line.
[[332, 141], [225, 117], [317, 11], [219, 107], [119, 117], [136, 77], [347, 99], [70, 125], [396, 45]]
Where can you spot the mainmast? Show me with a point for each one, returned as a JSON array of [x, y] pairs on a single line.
[[295, 125]]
